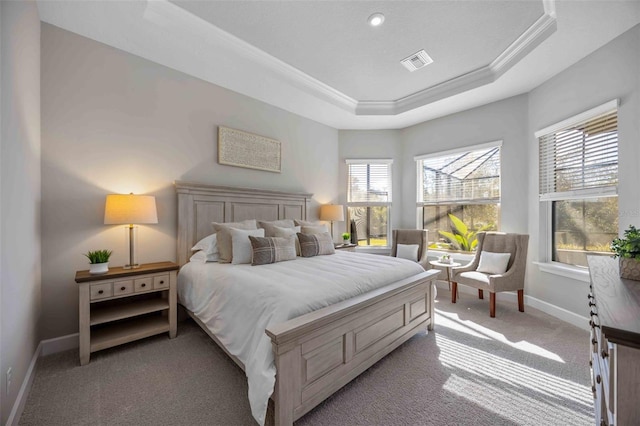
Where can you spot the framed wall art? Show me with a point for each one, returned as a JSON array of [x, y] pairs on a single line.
[[242, 149]]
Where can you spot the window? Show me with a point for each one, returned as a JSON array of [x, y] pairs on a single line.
[[463, 183], [369, 200], [578, 184]]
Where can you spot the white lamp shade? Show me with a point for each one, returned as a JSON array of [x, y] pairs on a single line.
[[332, 212], [130, 209]]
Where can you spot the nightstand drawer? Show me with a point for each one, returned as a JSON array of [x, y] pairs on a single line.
[[101, 291], [143, 284], [160, 282], [122, 287]]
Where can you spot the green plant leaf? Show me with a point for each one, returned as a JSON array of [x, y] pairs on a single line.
[[459, 225], [449, 236]]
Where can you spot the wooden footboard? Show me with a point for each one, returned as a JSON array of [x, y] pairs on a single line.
[[318, 353]]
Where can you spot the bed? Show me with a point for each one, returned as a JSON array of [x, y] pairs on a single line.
[[318, 352]]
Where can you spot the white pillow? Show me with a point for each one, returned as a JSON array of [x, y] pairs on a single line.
[[493, 263], [241, 250], [208, 246], [224, 237], [204, 243], [198, 256], [408, 251]]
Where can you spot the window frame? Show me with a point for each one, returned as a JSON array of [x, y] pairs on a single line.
[[388, 204], [545, 201], [420, 203]]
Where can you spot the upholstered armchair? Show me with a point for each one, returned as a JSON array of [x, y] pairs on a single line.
[[511, 280], [411, 237]]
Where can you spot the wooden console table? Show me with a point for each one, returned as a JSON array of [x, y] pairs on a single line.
[[614, 305]]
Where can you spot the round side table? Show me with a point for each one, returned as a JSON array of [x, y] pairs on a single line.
[[447, 267]]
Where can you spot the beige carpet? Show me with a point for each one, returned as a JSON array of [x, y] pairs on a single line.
[[516, 369]]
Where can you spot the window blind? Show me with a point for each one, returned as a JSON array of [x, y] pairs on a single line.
[[460, 177], [580, 160], [369, 181]]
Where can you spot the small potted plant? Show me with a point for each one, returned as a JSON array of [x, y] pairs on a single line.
[[445, 258], [627, 249], [98, 261], [345, 237]]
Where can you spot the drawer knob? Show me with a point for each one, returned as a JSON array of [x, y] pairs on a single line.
[[590, 363], [592, 304], [100, 291], [604, 354], [598, 379], [593, 324], [123, 288], [594, 341], [143, 285], [161, 281]]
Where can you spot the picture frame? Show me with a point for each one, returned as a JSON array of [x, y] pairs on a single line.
[[242, 149]]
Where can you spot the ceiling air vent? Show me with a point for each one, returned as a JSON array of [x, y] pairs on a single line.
[[416, 61]]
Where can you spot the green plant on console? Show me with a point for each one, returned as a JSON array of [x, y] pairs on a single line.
[[628, 246], [462, 238], [98, 256], [346, 236]]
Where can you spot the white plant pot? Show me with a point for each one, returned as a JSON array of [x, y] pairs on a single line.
[[98, 268]]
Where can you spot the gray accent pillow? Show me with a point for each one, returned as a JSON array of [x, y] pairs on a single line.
[[272, 249], [305, 223], [224, 237], [285, 232], [316, 244], [269, 226], [315, 229]]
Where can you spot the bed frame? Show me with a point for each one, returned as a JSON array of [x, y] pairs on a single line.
[[317, 353]]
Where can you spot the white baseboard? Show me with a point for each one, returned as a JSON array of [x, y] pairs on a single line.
[[558, 312], [553, 310], [60, 344], [21, 399], [45, 347]]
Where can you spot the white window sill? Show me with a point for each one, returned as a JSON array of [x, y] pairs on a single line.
[[566, 271]]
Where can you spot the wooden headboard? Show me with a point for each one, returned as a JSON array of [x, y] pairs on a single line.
[[200, 204]]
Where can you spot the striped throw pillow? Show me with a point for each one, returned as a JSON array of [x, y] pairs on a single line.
[[272, 249], [316, 244]]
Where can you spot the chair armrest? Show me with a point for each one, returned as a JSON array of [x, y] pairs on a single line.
[[471, 266]]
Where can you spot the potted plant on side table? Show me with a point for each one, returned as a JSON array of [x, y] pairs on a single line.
[[627, 249], [346, 238], [98, 261]]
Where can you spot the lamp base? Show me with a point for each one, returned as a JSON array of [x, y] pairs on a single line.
[[134, 266]]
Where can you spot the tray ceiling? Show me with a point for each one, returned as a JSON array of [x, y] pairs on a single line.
[[321, 60]]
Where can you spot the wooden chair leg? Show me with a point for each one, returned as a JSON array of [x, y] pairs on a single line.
[[521, 300], [492, 304], [480, 294], [454, 291]]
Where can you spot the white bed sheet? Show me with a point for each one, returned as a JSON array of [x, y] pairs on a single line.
[[238, 302]]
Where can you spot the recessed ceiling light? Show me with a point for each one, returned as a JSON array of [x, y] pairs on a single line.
[[376, 19]]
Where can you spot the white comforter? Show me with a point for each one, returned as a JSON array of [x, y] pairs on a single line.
[[238, 302]]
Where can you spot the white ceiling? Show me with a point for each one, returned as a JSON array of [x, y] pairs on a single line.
[[321, 60]]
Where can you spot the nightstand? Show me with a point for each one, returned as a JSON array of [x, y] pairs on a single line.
[[124, 305], [346, 247]]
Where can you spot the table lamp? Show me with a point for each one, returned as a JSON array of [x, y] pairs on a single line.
[[332, 213], [130, 209]]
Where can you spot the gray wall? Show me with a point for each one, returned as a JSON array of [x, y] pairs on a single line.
[[612, 71], [504, 121], [19, 194], [116, 123]]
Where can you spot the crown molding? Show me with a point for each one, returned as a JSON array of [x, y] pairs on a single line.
[[172, 17], [175, 19], [521, 47]]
